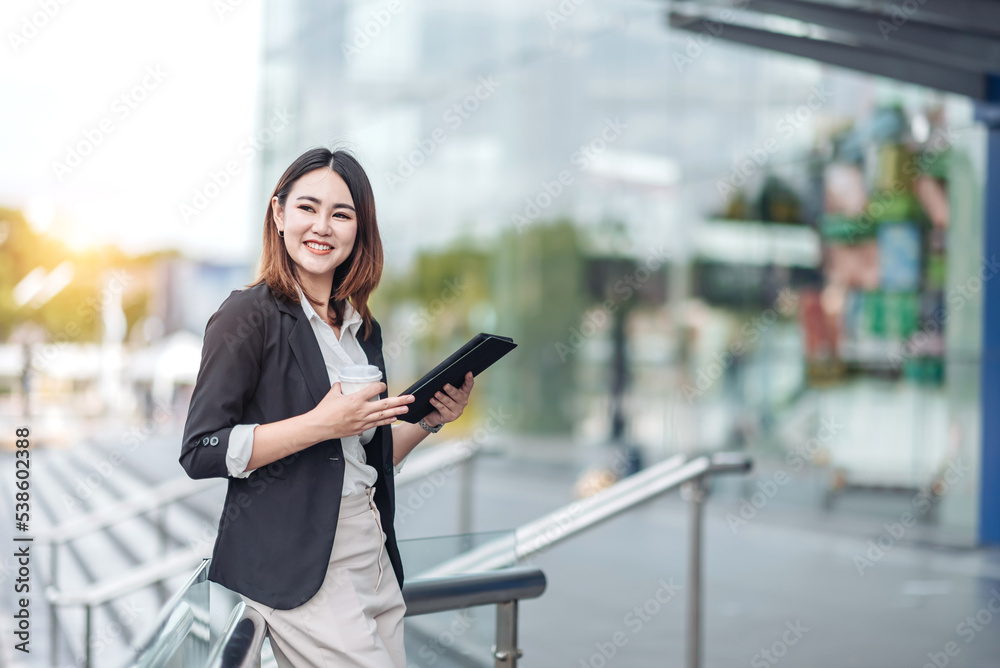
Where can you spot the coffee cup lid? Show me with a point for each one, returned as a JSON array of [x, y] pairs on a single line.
[[365, 373]]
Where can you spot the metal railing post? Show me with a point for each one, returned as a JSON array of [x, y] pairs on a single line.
[[54, 635], [53, 614], [506, 651], [694, 493], [161, 527], [465, 504], [86, 636], [53, 562]]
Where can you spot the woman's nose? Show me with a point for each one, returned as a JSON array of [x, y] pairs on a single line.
[[323, 227]]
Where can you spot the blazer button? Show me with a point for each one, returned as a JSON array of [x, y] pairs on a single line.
[[388, 469], [204, 441], [214, 441]]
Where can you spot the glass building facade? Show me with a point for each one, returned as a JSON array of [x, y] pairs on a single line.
[[690, 239]]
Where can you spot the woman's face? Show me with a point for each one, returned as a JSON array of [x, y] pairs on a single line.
[[319, 222]]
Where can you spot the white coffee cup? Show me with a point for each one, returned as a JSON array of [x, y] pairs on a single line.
[[353, 379]]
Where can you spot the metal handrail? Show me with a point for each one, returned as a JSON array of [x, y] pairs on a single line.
[[434, 459], [156, 500], [178, 624], [569, 521], [425, 596], [243, 637], [143, 502], [105, 591]]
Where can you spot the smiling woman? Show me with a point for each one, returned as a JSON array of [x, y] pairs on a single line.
[[307, 530]]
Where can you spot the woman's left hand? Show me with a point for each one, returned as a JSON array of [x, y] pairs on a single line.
[[450, 403]]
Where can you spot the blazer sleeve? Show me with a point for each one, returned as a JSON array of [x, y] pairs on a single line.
[[227, 379]]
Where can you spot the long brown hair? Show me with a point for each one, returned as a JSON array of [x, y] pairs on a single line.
[[357, 276]]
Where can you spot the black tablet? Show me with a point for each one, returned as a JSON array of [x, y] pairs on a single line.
[[475, 356]]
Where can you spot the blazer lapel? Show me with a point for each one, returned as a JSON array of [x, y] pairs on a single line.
[[307, 353]]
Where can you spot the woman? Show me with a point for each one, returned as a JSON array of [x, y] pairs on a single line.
[[306, 532]]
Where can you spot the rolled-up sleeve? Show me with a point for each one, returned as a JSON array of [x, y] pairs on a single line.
[[227, 378], [240, 450]]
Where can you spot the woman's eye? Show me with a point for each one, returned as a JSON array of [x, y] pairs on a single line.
[[306, 207], [342, 215]]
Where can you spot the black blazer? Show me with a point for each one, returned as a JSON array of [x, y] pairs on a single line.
[[261, 363]]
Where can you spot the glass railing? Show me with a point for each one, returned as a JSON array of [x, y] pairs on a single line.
[[199, 617], [422, 554], [180, 636], [452, 637]]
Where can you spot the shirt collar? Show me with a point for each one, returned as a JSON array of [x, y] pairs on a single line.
[[352, 319]]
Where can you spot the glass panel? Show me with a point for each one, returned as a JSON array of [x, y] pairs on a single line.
[[451, 638], [180, 635], [223, 600], [419, 555]]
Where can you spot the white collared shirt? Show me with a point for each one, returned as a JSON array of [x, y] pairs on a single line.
[[336, 354]]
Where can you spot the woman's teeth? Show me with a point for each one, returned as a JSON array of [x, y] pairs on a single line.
[[318, 246]]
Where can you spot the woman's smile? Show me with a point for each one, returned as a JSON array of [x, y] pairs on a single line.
[[318, 248]]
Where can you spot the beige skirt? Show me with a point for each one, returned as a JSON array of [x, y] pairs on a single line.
[[356, 618]]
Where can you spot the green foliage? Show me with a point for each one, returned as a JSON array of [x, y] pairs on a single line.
[[539, 298], [74, 313], [529, 283]]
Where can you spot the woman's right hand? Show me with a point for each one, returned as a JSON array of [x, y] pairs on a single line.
[[343, 415]]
